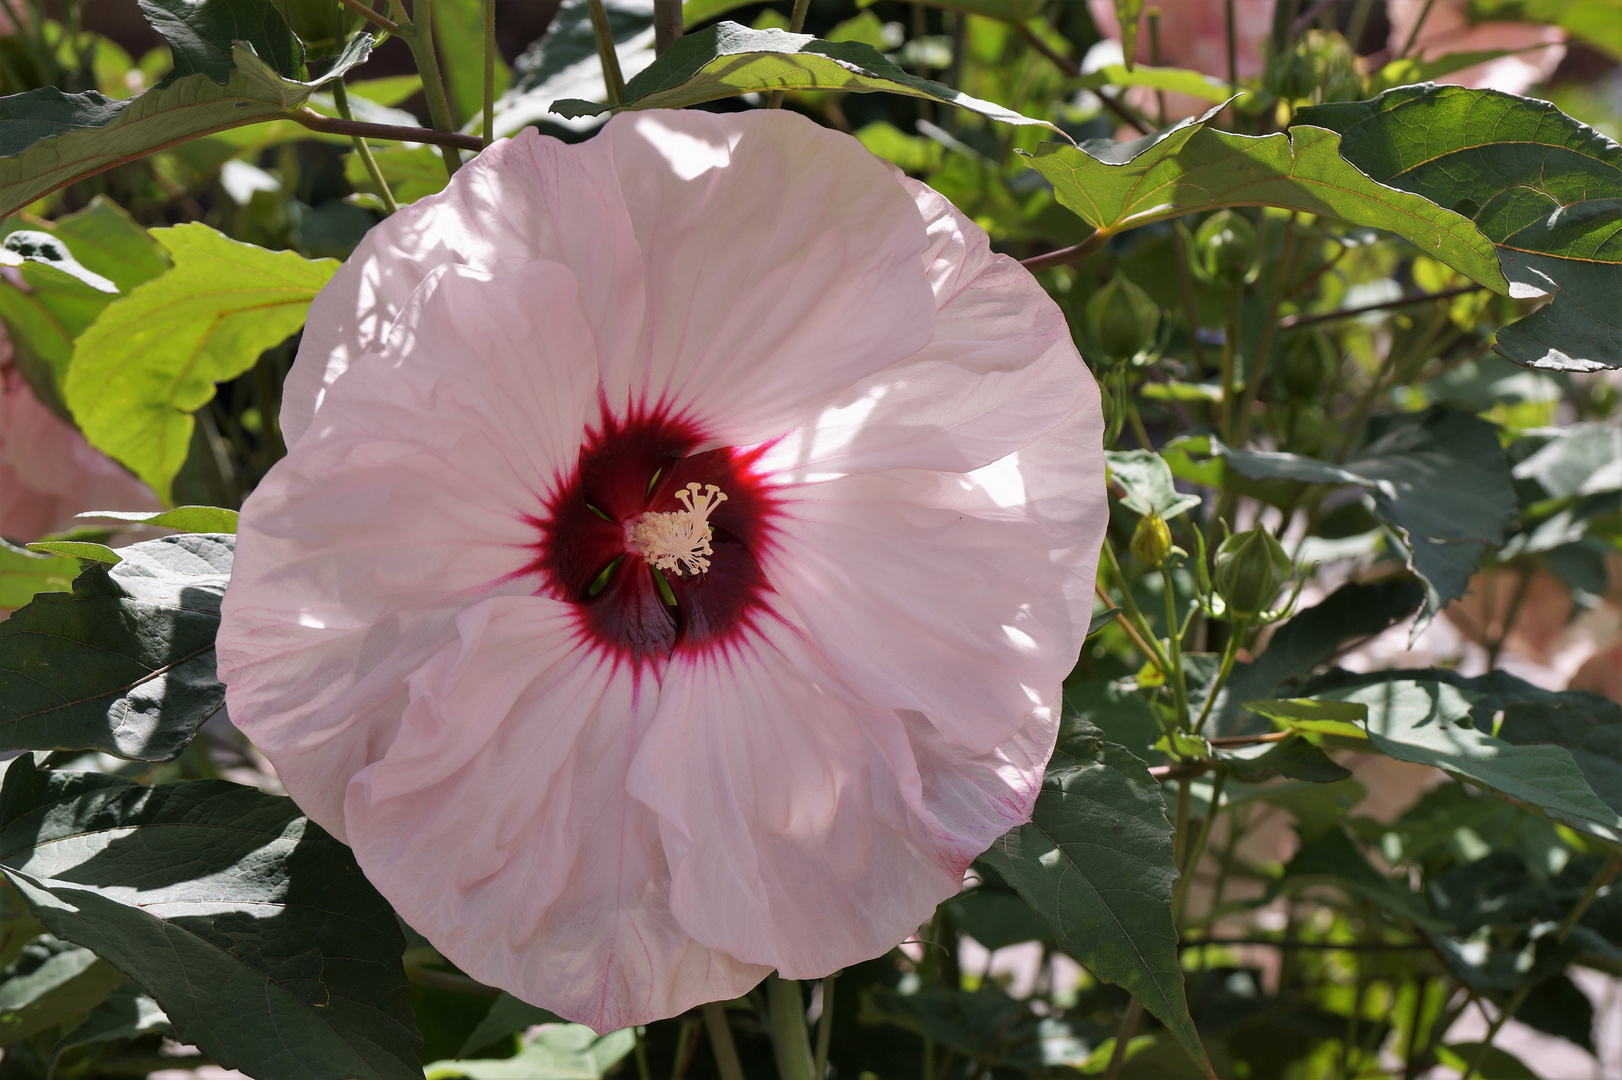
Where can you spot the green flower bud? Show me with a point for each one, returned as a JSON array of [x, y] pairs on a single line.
[[1319, 67], [1122, 320], [1309, 367], [1151, 540], [322, 25], [1225, 248], [1251, 567]]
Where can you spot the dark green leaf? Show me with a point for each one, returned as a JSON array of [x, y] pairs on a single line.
[[1190, 167], [459, 29], [1146, 482], [1095, 861], [126, 1014], [726, 59], [996, 917], [202, 33], [252, 928], [1331, 858], [1496, 1064], [507, 1016], [124, 663], [986, 1026], [52, 981], [1546, 189], [49, 139], [1294, 757], [1584, 459], [153, 357]]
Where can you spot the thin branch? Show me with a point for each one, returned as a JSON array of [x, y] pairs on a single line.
[[1249, 740], [667, 24], [330, 125], [1410, 300], [1123, 1036], [1065, 256], [381, 21], [489, 14], [613, 80], [340, 97]]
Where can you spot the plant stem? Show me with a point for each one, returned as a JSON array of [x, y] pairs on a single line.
[[1152, 655], [1289, 322], [1146, 639], [340, 97], [613, 81], [789, 1040], [1174, 646], [393, 133], [377, 19], [1573, 917], [642, 1056], [1229, 653], [1413, 35], [1065, 256], [1123, 1036], [1192, 853], [825, 1029], [1233, 47], [667, 26], [1510, 613], [1185, 283], [721, 1044], [489, 71], [1275, 297], [686, 1043], [796, 25], [419, 36]]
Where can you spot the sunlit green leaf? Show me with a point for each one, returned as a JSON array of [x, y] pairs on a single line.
[[24, 573], [1543, 187], [507, 1017], [726, 59], [1192, 167], [78, 549], [563, 1052], [125, 662], [153, 357], [411, 171]]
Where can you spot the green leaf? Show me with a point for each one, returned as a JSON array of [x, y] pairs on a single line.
[[153, 357], [49, 139], [126, 1014], [996, 917], [726, 59], [1419, 722], [55, 307], [1498, 1064], [186, 519], [1438, 478], [1294, 757], [508, 1016], [987, 1026], [24, 573], [1172, 80], [1546, 189], [412, 172], [1190, 168], [1095, 862], [1307, 714], [1147, 484], [1128, 13], [565, 1052], [459, 29], [25, 246], [253, 929], [1331, 858], [124, 663], [51, 982], [203, 33], [78, 549], [1583, 459]]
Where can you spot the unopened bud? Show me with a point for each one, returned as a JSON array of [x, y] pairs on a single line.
[[1250, 569], [1318, 67], [322, 25], [1309, 366], [1151, 540], [1225, 248], [1122, 320]]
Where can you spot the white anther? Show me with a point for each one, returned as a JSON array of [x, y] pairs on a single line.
[[677, 542]]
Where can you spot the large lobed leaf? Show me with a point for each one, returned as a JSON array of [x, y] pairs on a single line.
[[1546, 189], [49, 139], [153, 357], [1192, 167], [1095, 861], [253, 929], [726, 59], [125, 662]]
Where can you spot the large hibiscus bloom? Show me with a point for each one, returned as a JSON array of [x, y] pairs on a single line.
[[48, 472], [860, 449]]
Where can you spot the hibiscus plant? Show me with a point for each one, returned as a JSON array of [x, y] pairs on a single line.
[[818, 538]]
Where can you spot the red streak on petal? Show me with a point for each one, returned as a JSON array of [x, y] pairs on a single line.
[[629, 619]]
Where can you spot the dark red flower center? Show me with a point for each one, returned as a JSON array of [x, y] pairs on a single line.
[[631, 467]]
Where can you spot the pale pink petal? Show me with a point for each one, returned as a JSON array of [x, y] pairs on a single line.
[[1000, 366], [781, 266], [962, 597], [1447, 29], [791, 841], [507, 779], [48, 472], [410, 499], [523, 199]]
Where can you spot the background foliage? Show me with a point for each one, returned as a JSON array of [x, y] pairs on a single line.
[[1357, 334]]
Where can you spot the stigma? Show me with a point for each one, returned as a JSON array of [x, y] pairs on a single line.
[[677, 542]]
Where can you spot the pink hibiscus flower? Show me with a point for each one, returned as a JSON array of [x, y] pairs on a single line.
[[48, 472], [1447, 29], [860, 451]]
